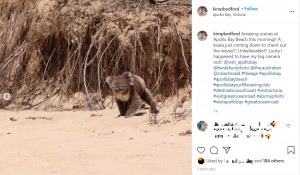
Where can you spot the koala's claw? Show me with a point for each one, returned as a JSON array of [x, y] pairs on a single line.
[[154, 111], [127, 116]]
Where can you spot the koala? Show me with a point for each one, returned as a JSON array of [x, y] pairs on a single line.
[[129, 90]]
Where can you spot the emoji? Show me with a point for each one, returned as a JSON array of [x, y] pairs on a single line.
[[273, 123], [268, 136]]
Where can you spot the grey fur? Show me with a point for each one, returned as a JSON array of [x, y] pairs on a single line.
[[129, 91]]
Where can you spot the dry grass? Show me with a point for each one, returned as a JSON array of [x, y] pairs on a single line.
[[53, 49]]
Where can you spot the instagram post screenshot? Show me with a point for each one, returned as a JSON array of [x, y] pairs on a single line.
[[95, 87], [149, 87], [245, 87]]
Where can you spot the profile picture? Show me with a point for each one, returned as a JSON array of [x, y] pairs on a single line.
[[200, 160], [202, 125], [202, 35], [202, 11]]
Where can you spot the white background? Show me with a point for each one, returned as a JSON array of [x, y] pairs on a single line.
[[272, 16]]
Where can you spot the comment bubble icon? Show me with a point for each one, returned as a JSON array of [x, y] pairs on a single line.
[[214, 150]]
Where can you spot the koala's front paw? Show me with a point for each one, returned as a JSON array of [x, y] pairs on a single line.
[[128, 115], [154, 111], [119, 116]]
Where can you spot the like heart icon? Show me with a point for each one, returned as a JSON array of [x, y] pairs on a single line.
[[288, 125], [201, 150]]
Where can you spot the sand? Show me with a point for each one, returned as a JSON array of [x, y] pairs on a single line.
[[93, 143]]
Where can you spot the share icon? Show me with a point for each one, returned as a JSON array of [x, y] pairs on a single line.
[[226, 148]]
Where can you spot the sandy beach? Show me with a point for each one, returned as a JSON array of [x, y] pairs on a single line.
[[93, 142]]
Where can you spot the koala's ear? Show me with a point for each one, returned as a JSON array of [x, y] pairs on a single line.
[[109, 79], [128, 77]]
